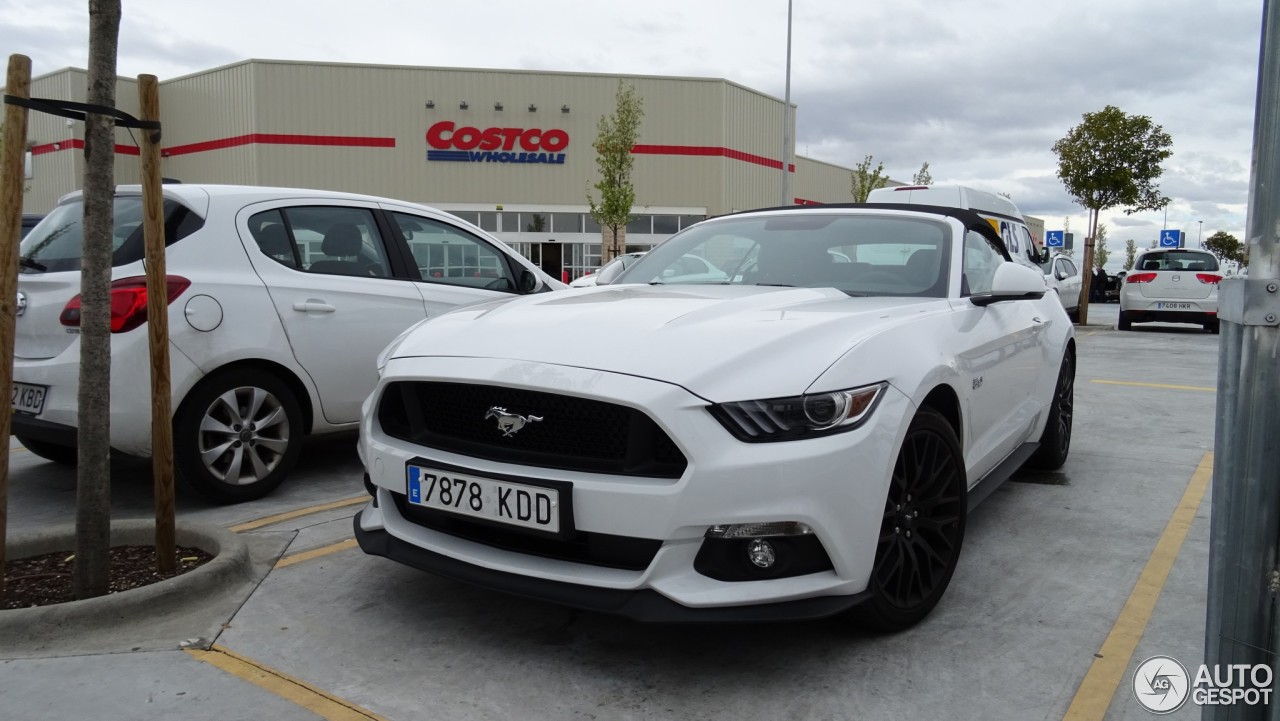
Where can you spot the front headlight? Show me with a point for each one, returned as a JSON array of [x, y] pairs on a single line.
[[796, 417]]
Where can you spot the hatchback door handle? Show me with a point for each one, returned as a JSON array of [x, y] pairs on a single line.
[[317, 306]]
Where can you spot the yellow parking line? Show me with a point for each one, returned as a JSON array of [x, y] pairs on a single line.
[[1099, 685], [324, 705], [277, 518], [1157, 385], [316, 553]]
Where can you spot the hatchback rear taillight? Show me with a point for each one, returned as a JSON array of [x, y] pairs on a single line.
[[1211, 278], [1140, 277], [128, 302]]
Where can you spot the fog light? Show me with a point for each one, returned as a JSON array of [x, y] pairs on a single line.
[[761, 553]]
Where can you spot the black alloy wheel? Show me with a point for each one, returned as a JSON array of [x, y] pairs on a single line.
[[922, 528], [1055, 441]]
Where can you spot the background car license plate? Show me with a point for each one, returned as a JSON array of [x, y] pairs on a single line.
[[29, 398], [514, 504], [1166, 305]]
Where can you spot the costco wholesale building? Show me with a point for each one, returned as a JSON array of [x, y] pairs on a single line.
[[508, 150]]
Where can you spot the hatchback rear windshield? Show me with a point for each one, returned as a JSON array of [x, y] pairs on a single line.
[[56, 243], [1177, 260]]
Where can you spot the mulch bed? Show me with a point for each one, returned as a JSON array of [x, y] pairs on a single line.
[[46, 580]]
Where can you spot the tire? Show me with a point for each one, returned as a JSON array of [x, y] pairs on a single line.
[[227, 414], [1074, 315], [1211, 327], [1124, 323], [1055, 442], [912, 570], [66, 455]]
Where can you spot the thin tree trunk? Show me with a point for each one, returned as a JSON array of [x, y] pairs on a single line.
[[93, 474]]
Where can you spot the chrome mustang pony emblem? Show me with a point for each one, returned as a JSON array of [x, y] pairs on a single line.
[[509, 423]]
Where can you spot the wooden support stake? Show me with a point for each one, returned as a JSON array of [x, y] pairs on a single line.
[[12, 178], [157, 327]]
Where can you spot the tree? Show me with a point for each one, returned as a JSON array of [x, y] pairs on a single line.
[[1112, 159], [93, 469], [616, 136], [1102, 255], [865, 180], [922, 176], [1226, 247], [1130, 253]]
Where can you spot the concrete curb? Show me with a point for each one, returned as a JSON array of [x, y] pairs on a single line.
[[229, 569]]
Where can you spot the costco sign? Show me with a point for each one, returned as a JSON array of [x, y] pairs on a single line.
[[446, 141]]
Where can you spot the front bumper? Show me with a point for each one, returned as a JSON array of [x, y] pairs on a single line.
[[836, 485], [643, 605]]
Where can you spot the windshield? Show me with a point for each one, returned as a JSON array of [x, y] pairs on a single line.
[[55, 245], [860, 254]]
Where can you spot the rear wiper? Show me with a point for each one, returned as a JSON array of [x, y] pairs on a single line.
[[33, 265]]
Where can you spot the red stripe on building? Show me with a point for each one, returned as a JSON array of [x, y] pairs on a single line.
[[344, 141], [709, 151], [77, 144]]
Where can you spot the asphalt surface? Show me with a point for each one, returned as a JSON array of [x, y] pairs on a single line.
[[1047, 576]]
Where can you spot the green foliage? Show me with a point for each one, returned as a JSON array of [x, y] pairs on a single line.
[[1130, 253], [1226, 247], [616, 136], [922, 176], [1100, 252], [1112, 159], [865, 180]]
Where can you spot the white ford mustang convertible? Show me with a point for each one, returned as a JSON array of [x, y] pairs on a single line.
[[801, 437]]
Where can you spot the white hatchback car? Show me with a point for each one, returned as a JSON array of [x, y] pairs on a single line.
[[1063, 278], [1171, 285], [280, 300], [803, 434]]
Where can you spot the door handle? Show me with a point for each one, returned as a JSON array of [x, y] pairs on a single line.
[[317, 306]]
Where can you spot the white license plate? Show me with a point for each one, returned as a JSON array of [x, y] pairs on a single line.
[[515, 504], [1165, 305], [29, 398]]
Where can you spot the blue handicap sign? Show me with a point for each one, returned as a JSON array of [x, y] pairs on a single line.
[[1170, 238], [1055, 238]]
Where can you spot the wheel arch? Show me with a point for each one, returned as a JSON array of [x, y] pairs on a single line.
[[944, 400], [284, 374]]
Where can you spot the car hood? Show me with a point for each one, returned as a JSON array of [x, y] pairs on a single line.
[[720, 342]]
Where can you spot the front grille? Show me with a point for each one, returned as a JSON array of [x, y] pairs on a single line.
[[596, 549], [570, 433]]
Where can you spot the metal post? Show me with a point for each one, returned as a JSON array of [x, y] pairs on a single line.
[[786, 122], [1240, 623]]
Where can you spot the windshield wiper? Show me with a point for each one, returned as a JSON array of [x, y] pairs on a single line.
[[33, 265]]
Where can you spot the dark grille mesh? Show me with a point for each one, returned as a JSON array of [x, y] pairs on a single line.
[[573, 434]]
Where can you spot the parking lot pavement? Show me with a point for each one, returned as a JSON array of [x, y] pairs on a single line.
[[1041, 620]]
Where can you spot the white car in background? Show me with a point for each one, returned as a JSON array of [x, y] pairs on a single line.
[[801, 435], [279, 301], [1063, 278], [1171, 285]]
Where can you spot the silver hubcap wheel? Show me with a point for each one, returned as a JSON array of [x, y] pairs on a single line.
[[243, 435]]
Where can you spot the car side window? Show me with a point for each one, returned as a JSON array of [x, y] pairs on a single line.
[[981, 258], [1069, 268], [323, 239], [447, 254]]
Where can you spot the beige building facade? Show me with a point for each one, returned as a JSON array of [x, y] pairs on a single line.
[[508, 150]]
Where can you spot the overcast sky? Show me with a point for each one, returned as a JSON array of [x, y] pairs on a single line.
[[980, 90]]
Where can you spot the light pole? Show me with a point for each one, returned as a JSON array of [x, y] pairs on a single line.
[[786, 120], [1199, 231]]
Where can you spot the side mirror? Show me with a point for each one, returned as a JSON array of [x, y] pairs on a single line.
[[528, 281], [1012, 281], [608, 273]]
